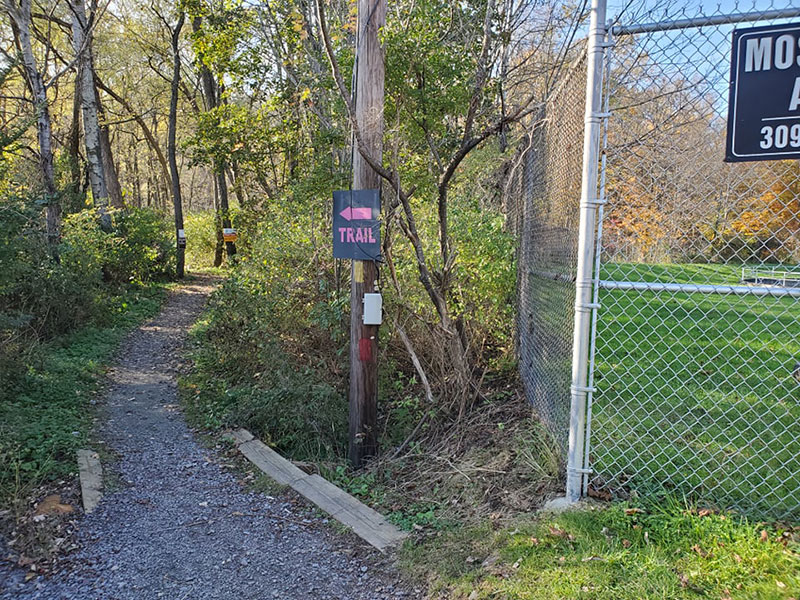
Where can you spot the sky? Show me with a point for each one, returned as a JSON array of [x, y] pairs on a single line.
[[657, 8]]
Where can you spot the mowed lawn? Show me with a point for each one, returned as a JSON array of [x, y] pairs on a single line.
[[695, 391]]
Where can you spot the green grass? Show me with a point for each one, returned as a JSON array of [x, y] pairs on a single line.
[[46, 413], [667, 551], [674, 273], [695, 391]]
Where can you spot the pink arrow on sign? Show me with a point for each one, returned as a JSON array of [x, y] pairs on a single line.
[[356, 213]]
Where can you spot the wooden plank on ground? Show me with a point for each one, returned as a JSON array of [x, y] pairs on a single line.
[[272, 463], [91, 476], [367, 523], [364, 521], [242, 435]]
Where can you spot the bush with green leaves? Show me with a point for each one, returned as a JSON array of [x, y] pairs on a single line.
[[41, 297], [139, 247], [271, 350], [201, 238]]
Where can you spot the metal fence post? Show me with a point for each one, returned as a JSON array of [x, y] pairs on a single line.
[[586, 249]]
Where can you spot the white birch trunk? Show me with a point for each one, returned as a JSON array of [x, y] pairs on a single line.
[[20, 15], [82, 44]]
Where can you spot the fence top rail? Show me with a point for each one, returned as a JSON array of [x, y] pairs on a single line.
[[690, 288], [703, 21]]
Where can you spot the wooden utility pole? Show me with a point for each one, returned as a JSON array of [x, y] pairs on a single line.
[[364, 274]]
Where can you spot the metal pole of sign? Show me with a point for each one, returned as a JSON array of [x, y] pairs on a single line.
[[584, 307]]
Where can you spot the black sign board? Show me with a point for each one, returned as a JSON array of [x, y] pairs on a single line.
[[356, 228], [764, 106]]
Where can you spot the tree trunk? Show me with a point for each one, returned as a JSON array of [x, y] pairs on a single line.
[[210, 90], [218, 249], [133, 159], [109, 167], [20, 15], [171, 151], [82, 44], [75, 145]]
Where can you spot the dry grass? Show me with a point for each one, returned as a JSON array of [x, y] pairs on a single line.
[[496, 461]]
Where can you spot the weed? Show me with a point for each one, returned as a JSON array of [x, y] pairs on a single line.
[[265, 484]]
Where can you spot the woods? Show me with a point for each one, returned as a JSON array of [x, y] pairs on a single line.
[[211, 115], [246, 112], [189, 150], [203, 115]]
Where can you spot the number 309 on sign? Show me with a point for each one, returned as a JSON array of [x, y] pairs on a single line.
[[780, 136]]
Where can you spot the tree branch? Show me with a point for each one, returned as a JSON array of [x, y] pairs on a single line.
[[151, 140]]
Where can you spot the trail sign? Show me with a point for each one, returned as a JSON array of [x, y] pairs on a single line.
[[764, 100], [356, 228]]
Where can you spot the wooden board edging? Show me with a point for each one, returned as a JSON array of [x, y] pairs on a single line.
[[91, 476], [365, 522]]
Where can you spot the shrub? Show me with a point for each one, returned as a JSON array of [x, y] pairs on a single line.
[[201, 238], [140, 246], [41, 298]]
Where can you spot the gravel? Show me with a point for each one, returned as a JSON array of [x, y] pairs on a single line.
[[177, 525]]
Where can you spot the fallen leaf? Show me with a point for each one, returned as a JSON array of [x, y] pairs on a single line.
[[591, 558], [704, 512], [535, 541], [764, 535], [626, 543], [29, 575], [780, 584], [24, 561], [490, 560], [737, 558], [556, 531], [633, 511], [601, 494], [52, 505]]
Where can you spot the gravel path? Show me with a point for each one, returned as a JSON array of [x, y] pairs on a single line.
[[178, 525]]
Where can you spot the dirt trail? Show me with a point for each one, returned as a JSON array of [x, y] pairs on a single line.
[[178, 525]]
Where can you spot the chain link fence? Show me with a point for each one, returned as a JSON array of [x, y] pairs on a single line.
[[693, 381], [697, 334], [543, 214]]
